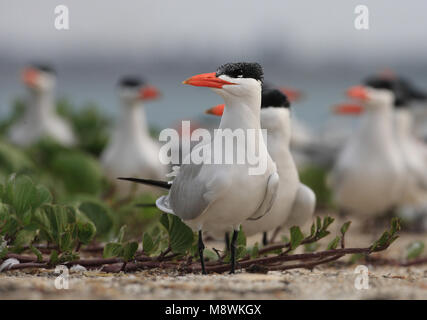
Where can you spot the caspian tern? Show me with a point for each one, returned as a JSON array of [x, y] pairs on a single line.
[[295, 202], [413, 151], [369, 175], [302, 138], [220, 197], [131, 151], [40, 118]]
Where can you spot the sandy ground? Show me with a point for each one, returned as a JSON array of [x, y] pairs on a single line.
[[335, 281]]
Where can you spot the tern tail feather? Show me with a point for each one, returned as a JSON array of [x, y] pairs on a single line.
[[156, 183]]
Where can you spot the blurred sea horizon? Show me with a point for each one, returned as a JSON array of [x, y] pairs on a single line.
[[83, 83]]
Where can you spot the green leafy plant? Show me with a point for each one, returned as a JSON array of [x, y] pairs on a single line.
[[120, 248], [27, 216], [99, 214], [90, 124], [55, 233]]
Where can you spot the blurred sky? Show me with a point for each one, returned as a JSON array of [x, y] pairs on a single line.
[[312, 44], [315, 29]]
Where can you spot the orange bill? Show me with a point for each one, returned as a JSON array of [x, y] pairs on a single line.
[[357, 92], [217, 110], [348, 109], [149, 93], [29, 76], [292, 94], [209, 80]]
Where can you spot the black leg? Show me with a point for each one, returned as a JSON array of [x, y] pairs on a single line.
[[264, 239], [233, 251], [227, 241], [201, 248]]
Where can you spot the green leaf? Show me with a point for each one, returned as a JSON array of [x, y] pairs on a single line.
[[37, 253], [334, 243], [10, 226], [148, 244], [121, 235], [180, 235], [322, 233], [99, 214], [210, 255], [66, 241], [296, 237], [414, 250], [43, 196], [241, 244], [25, 196], [345, 227], [164, 221], [129, 250], [24, 237], [395, 225], [86, 231], [241, 238], [26, 218], [254, 252], [318, 223], [54, 219], [113, 249], [382, 241], [327, 221], [312, 230], [54, 258]]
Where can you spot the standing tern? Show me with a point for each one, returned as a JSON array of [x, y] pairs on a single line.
[[295, 202], [220, 197], [40, 118], [417, 103], [131, 151], [368, 176], [412, 150]]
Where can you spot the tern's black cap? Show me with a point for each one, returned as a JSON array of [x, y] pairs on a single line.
[[274, 98], [401, 96], [43, 67], [130, 82], [241, 70]]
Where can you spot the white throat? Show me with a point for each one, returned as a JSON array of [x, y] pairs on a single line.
[[377, 124], [278, 124], [41, 105], [241, 112], [132, 125]]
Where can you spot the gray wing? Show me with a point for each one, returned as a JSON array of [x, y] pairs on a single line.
[[303, 207], [270, 196], [191, 194]]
